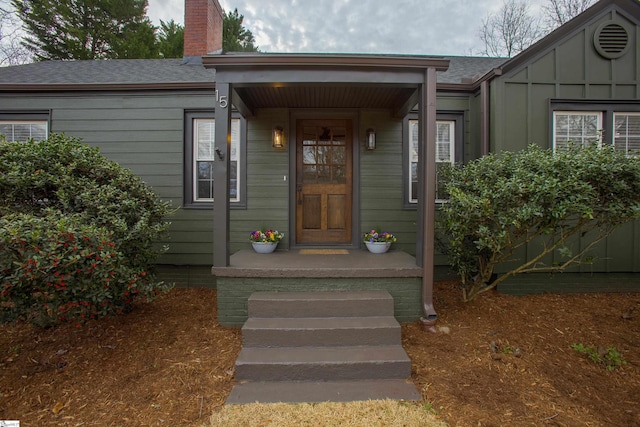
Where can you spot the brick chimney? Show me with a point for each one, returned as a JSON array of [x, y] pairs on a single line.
[[202, 27]]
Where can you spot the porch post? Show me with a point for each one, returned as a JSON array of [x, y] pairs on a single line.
[[427, 122], [221, 167]]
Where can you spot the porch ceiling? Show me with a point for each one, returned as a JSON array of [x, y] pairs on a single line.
[[325, 96]]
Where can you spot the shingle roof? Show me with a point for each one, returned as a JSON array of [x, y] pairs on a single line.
[[121, 71], [172, 71], [468, 67]]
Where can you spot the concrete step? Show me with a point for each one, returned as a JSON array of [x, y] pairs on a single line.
[[321, 346], [322, 391], [321, 304], [322, 363], [315, 331]]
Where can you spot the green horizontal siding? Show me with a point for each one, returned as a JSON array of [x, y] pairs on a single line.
[[143, 132], [267, 191], [382, 185]]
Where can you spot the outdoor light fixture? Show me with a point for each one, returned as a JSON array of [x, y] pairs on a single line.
[[370, 142], [278, 137]]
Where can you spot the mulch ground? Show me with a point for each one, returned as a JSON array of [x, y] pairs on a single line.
[[500, 360]]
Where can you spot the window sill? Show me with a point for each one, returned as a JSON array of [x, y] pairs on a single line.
[[210, 206]]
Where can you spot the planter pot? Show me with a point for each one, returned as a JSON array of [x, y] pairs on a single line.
[[264, 248], [378, 247]]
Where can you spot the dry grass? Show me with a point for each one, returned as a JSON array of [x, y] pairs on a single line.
[[351, 414]]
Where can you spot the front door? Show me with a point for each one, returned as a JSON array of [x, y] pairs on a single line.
[[323, 181]]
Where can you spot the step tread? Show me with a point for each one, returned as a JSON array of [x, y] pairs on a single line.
[[294, 323], [322, 391], [326, 355]]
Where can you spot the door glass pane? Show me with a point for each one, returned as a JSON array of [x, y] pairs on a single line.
[[339, 155], [324, 135], [324, 174], [328, 153], [309, 155], [324, 155], [309, 174], [339, 135]]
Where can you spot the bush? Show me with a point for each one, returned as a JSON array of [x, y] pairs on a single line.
[[78, 233], [502, 202]]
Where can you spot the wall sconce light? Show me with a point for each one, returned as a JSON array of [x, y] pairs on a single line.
[[371, 139], [278, 138]]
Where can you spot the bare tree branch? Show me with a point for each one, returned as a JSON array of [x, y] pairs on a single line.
[[559, 12], [11, 50], [510, 31]]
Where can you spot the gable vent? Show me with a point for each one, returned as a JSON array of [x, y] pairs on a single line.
[[611, 40]]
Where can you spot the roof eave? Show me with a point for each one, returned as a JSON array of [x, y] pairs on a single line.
[[324, 61], [103, 87]]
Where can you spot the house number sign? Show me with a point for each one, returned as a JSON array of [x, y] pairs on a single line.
[[221, 100]]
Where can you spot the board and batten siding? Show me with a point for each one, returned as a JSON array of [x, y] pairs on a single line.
[[570, 69], [142, 131]]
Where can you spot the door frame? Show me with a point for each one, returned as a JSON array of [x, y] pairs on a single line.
[[340, 114]]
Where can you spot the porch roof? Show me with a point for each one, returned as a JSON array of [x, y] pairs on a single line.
[[323, 81], [394, 82]]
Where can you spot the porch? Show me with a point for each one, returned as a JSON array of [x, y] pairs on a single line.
[[318, 270]]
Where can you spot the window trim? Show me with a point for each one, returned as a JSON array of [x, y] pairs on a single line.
[[606, 107], [26, 116], [454, 116], [189, 201]]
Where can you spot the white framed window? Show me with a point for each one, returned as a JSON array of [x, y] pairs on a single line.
[[24, 130], [204, 158], [576, 127], [626, 135], [445, 153]]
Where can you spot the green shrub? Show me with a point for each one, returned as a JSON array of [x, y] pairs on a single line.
[[78, 233], [535, 199]]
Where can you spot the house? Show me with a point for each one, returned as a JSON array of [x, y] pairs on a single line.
[[353, 129]]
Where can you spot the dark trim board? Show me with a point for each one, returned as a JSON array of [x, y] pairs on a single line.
[[565, 283]]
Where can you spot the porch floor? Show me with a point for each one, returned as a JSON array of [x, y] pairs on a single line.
[[321, 263]]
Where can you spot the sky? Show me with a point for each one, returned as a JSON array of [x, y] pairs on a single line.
[[426, 27]]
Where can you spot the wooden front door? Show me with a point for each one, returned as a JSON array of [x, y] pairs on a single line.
[[323, 181]]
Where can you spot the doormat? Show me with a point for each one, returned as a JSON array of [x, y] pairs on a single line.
[[324, 252]]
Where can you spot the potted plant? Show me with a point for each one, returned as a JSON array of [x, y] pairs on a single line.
[[265, 241], [378, 242]]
